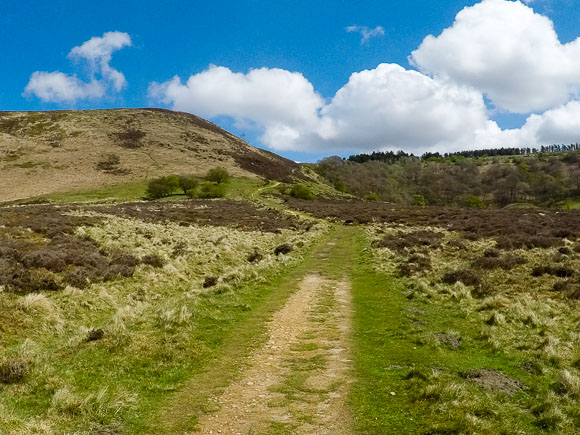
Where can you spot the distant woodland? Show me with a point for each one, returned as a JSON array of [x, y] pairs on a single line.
[[495, 177]]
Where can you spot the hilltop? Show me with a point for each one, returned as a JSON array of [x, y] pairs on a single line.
[[62, 151]]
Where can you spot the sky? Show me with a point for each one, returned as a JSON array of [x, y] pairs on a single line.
[[309, 79]]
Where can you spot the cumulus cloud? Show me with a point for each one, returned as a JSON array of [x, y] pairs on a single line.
[[274, 100], [58, 87], [497, 48], [366, 33], [507, 51], [387, 107]]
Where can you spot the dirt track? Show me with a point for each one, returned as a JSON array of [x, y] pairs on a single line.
[[299, 380]]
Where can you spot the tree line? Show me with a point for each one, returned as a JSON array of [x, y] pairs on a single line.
[[543, 178], [394, 157]]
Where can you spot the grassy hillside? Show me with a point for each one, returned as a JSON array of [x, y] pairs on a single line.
[[50, 152]]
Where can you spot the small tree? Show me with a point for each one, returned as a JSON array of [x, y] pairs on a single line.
[[301, 191], [211, 190], [218, 175], [187, 182], [372, 197], [163, 186], [419, 200]]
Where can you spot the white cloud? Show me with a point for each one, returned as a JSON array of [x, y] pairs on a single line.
[[388, 107], [506, 51], [275, 100], [499, 48], [366, 33], [57, 87]]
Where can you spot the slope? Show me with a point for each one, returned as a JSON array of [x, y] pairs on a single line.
[[60, 151]]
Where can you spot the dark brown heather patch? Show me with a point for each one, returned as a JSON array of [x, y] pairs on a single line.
[[495, 381]]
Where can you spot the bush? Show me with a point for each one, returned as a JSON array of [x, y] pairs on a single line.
[[284, 248], [465, 276], [161, 187], [210, 281], [475, 202], [218, 175], [12, 371], [208, 191], [372, 197], [301, 191], [187, 182], [153, 260], [110, 163], [340, 186], [419, 200]]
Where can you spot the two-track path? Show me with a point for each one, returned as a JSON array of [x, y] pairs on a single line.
[[297, 381]]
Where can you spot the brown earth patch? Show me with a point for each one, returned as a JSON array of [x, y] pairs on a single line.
[[495, 381]]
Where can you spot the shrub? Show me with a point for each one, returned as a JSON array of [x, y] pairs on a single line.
[[79, 277], [475, 202], [218, 175], [560, 271], [491, 253], [255, 257], [12, 371], [301, 191], [340, 186], [210, 281], [153, 260], [284, 248], [465, 276], [187, 182], [419, 200], [130, 138], [163, 186], [372, 197], [95, 334], [209, 191], [110, 164]]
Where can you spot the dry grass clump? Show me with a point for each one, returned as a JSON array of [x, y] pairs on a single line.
[[568, 384]]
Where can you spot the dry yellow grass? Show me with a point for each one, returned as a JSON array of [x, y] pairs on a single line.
[[50, 152]]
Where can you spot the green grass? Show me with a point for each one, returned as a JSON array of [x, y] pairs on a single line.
[[118, 192], [237, 188], [395, 353]]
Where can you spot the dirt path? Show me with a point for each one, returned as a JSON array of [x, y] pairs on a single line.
[[299, 380]]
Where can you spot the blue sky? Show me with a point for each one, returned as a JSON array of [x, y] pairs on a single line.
[[179, 38]]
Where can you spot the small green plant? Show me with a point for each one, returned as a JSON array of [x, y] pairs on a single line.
[[419, 200], [301, 191], [475, 202], [218, 175], [372, 197], [162, 187]]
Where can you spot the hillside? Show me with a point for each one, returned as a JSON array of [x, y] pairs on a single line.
[[62, 151]]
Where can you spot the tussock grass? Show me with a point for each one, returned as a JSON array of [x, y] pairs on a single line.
[[517, 326], [102, 358]]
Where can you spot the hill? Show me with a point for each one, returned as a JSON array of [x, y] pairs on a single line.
[[62, 151]]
